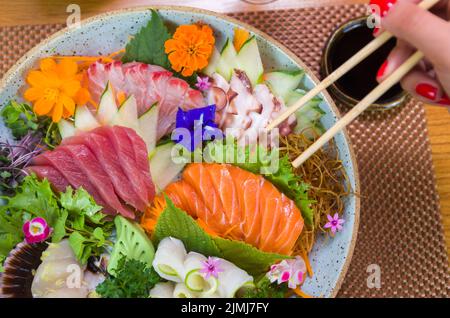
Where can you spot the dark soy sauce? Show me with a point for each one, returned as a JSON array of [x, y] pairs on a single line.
[[361, 80]]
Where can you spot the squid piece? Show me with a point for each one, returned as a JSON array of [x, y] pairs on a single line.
[[169, 260], [59, 275]]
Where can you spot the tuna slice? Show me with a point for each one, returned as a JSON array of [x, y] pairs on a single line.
[[148, 84], [65, 165], [123, 146], [86, 161], [103, 150], [54, 176], [108, 162]]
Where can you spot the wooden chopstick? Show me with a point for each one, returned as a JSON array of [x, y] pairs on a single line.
[[342, 70], [360, 107]]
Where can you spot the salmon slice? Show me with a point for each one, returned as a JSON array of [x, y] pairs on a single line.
[[269, 223], [237, 204], [202, 184]]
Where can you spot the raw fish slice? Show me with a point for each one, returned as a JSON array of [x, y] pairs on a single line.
[[148, 84], [290, 227], [85, 160], [270, 221], [259, 215], [102, 148], [55, 178], [141, 157], [202, 184], [227, 192], [127, 159], [64, 163]]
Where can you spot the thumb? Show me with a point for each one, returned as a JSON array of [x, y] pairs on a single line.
[[421, 29]]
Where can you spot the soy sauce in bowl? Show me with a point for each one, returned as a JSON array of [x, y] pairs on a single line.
[[345, 42]]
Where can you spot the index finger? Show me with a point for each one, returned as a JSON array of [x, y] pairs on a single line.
[[423, 30]]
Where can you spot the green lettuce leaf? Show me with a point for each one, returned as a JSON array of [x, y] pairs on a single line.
[[73, 214], [147, 46], [176, 223], [261, 161]]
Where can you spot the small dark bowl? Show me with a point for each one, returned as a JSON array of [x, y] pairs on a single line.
[[336, 89]]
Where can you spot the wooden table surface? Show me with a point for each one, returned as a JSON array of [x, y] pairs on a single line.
[[54, 11]]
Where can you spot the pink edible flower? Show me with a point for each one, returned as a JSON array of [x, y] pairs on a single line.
[[36, 230], [211, 267], [291, 271], [203, 83], [334, 223]]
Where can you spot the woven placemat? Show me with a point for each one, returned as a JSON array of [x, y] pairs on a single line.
[[400, 228]]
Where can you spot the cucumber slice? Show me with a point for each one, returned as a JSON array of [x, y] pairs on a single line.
[[84, 119], [127, 115], [195, 282], [213, 63], [132, 243], [283, 83], [162, 168], [311, 129], [148, 124], [66, 128], [249, 60], [107, 108], [311, 111], [227, 62]]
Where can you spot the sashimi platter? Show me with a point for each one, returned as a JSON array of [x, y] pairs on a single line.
[[135, 162]]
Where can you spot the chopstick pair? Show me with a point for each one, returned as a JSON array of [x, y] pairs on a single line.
[[382, 88]]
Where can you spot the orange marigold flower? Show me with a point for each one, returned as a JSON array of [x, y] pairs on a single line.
[[56, 88], [190, 48]]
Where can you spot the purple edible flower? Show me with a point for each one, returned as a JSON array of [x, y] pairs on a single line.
[[194, 126], [334, 223], [203, 83], [211, 267]]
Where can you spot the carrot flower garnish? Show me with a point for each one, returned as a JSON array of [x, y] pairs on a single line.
[[190, 48], [56, 88]]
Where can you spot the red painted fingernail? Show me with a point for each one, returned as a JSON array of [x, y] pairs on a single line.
[[375, 31], [426, 90], [383, 6], [382, 69], [445, 100]]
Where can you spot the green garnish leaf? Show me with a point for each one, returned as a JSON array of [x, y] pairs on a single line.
[[265, 289], [20, 119], [80, 203], [74, 214], [147, 46], [133, 279], [176, 223]]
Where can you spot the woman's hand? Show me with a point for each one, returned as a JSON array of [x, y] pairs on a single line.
[[429, 32]]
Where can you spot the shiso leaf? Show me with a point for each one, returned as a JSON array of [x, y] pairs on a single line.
[[147, 46], [176, 223]]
